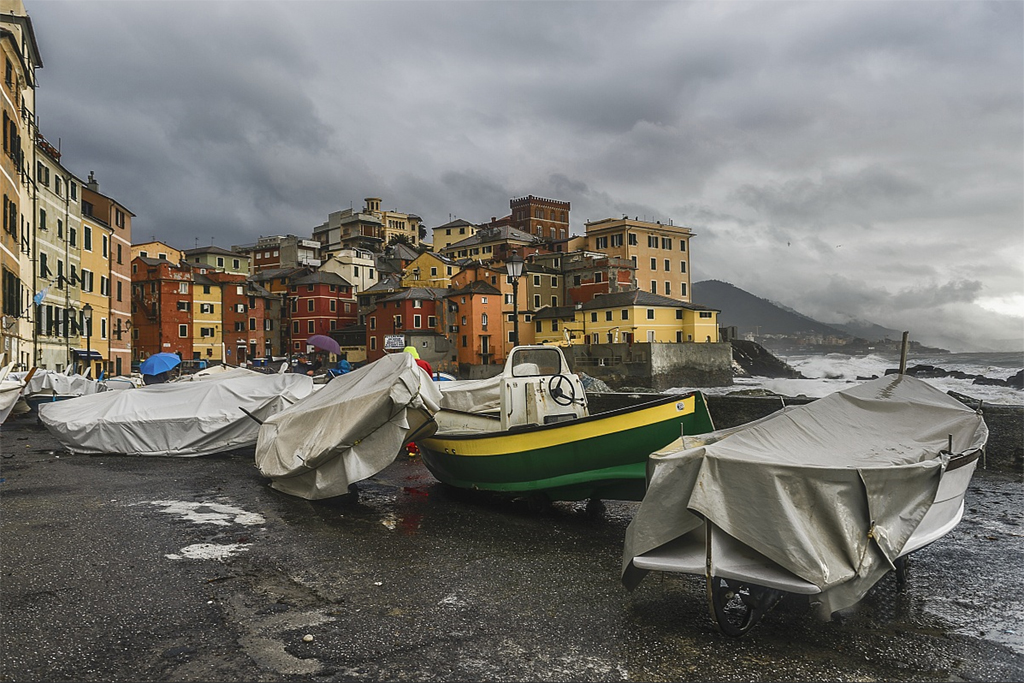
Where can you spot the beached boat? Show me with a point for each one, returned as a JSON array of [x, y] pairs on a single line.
[[350, 429], [543, 442], [182, 419], [10, 390], [819, 501]]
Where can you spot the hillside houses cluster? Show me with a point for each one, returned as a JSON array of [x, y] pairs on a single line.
[[77, 289]]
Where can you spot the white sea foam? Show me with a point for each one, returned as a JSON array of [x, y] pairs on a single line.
[[833, 372]]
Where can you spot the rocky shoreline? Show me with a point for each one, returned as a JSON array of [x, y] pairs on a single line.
[[931, 371]]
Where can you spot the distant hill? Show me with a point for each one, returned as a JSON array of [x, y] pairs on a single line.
[[868, 330], [754, 315]]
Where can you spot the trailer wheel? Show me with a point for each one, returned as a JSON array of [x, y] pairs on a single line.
[[737, 607]]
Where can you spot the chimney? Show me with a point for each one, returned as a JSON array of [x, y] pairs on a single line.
[[92, 184]]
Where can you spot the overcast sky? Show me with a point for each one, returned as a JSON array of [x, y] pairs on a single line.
[[847, 159]]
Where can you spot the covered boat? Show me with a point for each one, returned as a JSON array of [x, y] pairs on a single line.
[[819, 500], [349, 430], [543, 442], [10, 390], [176, 419]]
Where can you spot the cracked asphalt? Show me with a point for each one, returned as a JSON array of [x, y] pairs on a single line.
[[116, 568]]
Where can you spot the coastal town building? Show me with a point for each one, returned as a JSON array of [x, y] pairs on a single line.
[[218, 258], [161, 308], [57, 299], [280, 251], [356, 266], [451, 232], [110, 225], [318, 303], [659, 252], [406, 313], [429, 270], [629, 317], [158, 250], [478, 326], [546, 219], [18, 258], [207, 318]]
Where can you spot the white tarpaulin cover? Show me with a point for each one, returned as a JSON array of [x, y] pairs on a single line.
[[347, 431], [831, 490], [178, 419], [472, 395], [46, 381]]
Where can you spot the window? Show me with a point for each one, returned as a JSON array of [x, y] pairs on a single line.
[[625, 314], [650, 314], [668, 265], [309, 305], [119, 218], [433, 271], [537, 326], [536, 300], [601, 243], [554, 300], [668, 288], [598, 278], [234, 264], [666, 243], [206, 289], [554, 326], [87, 238], [182, 305], [654, 264], [220, 261], [704, 314], [682, 266], [42, 219], [295, 327], [182, 330], [252, 323], [593, 317], [682, 289], [617, 240], [334, 305], [682, 245], [607, 315], [72, 236], [183, 288], [483, 320], [416, 303], [104, 286], [652, 242], [373, 343], [373, 322], [398, 322], [417, 321], [311, 326], [654, 286], [74, 191], [679, 337], [119, 283], [632, 239], [206, 308], [464, 341], [483, 299], [106, 246]]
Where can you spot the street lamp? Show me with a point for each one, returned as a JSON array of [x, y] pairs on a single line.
[[514, 268], [87, 319]]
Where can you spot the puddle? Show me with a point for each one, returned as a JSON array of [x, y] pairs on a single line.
[[207, 551]]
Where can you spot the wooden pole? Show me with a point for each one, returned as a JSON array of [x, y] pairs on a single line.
[[903, 352]]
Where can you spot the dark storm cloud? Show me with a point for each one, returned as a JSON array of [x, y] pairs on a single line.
[[844, 158]]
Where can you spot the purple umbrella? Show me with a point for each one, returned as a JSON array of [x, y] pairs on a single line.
[[324, 343]]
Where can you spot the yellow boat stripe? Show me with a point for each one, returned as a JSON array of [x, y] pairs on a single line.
[[530, 440]]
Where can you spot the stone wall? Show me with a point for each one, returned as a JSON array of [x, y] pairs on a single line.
[[659, 366]]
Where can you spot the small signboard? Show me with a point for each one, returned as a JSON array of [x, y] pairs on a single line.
[[394, 342]]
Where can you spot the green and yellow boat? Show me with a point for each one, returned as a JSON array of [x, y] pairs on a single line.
[[544, 443]]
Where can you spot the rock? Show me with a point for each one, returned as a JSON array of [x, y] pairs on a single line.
[[593, 384], [1016, 381], [759, 362]]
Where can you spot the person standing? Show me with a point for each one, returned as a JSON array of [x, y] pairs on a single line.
[[411, 350]]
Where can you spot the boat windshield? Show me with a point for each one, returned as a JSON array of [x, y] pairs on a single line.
[[535, 362]]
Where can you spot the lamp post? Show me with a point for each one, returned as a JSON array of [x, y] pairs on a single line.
[[514, 268], [87, 319]]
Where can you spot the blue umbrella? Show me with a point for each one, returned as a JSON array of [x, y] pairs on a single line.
[[161, 362]]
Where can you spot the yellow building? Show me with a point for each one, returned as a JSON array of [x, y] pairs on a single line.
[[17, 255], [429, 270], [207, 319], [452, 232], [627, 317], [394, 224], [659, 252], [94, 253], [158, 250]]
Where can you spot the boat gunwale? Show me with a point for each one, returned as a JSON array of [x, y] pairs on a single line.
[[532, 428]]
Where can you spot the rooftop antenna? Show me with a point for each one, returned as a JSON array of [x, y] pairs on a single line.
[[197, 243]]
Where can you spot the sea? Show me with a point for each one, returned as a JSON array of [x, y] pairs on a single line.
[[836, 371]]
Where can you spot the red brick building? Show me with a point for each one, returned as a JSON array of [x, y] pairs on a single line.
[[161, 308], [417, 309], [248, 325], [547, 219], [318, 303]]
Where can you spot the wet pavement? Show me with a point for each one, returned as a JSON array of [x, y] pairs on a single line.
[[116, 568]]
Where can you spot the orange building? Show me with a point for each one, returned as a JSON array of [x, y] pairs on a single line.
[[477, 324]]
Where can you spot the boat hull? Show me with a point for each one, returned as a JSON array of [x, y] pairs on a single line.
[[600, 456]]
